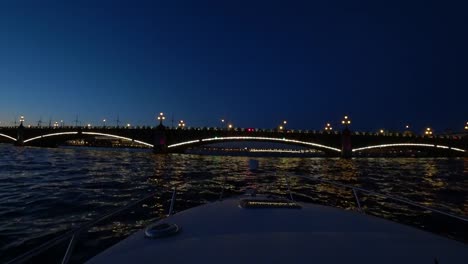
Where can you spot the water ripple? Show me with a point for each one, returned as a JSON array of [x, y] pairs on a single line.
[[46, 191]]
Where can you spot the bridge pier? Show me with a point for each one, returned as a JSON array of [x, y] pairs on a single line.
[[160, 140], [346, 150], [20, 135]]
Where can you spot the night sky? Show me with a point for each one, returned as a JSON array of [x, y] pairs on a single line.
[[384, 63]]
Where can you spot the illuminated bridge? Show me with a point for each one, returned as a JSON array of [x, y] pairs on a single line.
[[166, 140]]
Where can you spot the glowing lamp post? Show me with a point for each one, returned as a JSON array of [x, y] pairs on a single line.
[[161, 117], [104, 123], [328, 127], [230, 126], [20, 132], [428, 132], [407, 131], [346, 121], [181, 124], [129, 126], [381, 131], [346, 150], [466, 127], [282, 126], [56, 125]]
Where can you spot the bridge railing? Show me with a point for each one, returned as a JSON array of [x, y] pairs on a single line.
[[263, 130]]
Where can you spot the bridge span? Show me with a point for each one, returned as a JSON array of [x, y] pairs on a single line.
[[166, 140]]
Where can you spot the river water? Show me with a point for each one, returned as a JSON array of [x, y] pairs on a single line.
[[44, 192]]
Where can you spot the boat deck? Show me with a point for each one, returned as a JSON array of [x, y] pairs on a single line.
[[224, 232]]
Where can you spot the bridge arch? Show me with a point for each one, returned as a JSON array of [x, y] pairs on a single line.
[[87, 133], [409, 145], [245, 138], [7, 136]]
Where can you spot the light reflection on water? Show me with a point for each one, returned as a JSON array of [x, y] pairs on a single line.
[[44, 191]]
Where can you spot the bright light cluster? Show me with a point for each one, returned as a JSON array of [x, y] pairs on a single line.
[[181, 124], [408, 145], [428, 131], [7, 136], [346, 121], [161, 117]]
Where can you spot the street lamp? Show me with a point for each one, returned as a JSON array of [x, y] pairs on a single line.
[[466, 126], [61, 123], [407, 131], [223, 126], [128, 125], [161, 117], [346, 121], [328, 127], [381, 131], [104, 123], [21, 120], [181, 124], [282, 125], [89, 125], [55, 124], [428, 131], [230, 126]]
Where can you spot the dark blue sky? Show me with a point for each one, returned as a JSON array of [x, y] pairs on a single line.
[[385, 63]]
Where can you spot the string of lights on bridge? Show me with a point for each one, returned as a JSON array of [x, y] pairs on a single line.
[[281, 128], [209, 140]]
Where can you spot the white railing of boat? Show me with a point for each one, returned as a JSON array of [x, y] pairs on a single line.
[[73, 235], [390, 197]]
